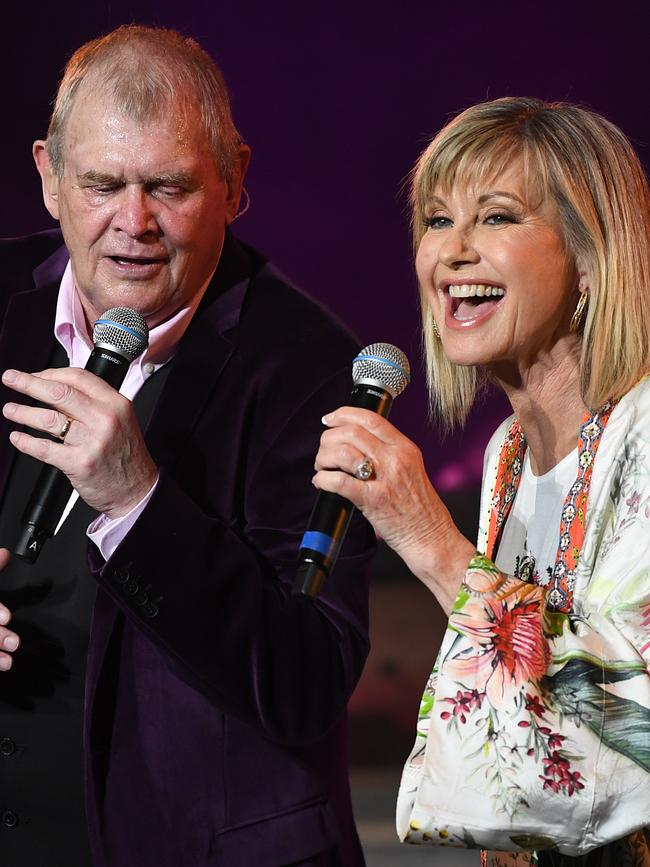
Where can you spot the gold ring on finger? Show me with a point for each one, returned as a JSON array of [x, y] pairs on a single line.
[[66, 427]]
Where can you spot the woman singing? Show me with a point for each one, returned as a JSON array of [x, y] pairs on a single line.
[[531, 225]]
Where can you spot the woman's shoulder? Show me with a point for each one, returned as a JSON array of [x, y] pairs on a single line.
[[494, 444], [632, 412]]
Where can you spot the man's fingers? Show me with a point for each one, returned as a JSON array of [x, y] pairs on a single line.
[[47, 420], [71, 390], [60, 395], [55, 454], [5, 557], [80, 380], [8, 640]]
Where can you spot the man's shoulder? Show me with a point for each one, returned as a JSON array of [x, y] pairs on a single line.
[[20, 256], [280, 314]]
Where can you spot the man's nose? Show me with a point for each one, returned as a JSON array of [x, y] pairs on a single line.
[[135, 213], [458, 248]]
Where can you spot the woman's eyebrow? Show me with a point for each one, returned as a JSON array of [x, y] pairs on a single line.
[[493, 194]]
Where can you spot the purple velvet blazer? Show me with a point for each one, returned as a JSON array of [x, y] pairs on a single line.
[[215, 702]]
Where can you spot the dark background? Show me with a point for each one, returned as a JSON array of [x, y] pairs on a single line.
[[337, 100]]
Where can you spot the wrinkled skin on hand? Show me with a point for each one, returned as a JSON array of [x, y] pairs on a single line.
[[398, 500], [104, 454]]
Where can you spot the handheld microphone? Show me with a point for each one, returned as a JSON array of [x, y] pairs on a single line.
[[380, 373], [120, 335]]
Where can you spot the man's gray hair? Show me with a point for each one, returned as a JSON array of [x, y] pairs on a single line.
[[146, 70]]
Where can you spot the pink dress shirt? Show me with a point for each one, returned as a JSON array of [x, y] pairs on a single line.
[[71, 331]]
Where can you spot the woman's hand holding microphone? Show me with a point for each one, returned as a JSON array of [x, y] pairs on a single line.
[[397, 498]]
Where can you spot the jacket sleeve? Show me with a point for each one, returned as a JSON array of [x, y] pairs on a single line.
[[213, 591], [547, 714]]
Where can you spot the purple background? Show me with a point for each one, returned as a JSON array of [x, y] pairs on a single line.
[[337, 100]]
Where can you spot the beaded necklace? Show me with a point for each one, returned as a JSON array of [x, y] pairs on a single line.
[[572, 525]]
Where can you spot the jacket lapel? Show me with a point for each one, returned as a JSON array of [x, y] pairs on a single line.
[[200, 359], [202, 355], [27, 339]]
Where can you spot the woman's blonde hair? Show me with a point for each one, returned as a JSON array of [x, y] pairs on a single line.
[[588, 168]]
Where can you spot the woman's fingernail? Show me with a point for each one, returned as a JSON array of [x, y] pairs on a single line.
[[10, 642], [9, 376]]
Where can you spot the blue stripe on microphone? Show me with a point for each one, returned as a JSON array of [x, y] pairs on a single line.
[[119, 325], [382, 361], [316, 541]]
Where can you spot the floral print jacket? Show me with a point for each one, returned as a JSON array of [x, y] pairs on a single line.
[[534, 728]]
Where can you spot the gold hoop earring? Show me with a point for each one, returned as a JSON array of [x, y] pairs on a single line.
[[576, 319], [435, 329], [247, 204]]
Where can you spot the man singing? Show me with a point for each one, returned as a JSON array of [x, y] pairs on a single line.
[[164, 700]]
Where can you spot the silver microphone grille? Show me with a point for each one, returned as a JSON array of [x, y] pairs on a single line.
[[382, 364], [123, 330]]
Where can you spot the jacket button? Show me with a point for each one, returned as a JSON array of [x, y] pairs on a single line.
[[131, 587], [7, 747], [149, 610], [121, 576], [9, 819]]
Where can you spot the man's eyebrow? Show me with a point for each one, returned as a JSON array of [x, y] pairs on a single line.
[[94, 177], [170, 179]]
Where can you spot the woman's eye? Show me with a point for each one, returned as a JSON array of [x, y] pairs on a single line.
[[437, 222], [499, 218]]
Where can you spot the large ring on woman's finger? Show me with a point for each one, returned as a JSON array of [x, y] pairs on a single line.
[[365, 470], [66, 427]]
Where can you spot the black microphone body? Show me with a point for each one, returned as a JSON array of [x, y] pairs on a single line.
[[53, 488], [330, 517]]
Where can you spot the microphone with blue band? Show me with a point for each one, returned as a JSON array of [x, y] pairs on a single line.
[[380, 373], [119, 336]]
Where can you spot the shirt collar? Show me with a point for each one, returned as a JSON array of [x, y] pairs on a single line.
[[71, 332]]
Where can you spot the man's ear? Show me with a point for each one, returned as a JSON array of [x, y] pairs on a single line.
[[235, 185], [49, 180]]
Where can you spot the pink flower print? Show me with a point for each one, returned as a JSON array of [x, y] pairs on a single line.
[[461, 706], [505, 630], [555, 741], [556, 766], [549, 782], [633, 502], [646, 616], [570, 782], [474, 697], [534, 705]]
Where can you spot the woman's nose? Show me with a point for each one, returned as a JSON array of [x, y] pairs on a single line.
[[458, 248]]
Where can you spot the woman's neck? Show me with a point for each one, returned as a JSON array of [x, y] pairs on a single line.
[[546, 399]]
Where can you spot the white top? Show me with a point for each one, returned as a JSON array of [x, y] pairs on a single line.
[[529, 542]]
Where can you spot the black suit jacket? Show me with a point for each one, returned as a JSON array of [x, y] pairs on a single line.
[[215, 701]]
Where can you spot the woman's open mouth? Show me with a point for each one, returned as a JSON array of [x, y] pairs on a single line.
[[471, 302]]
